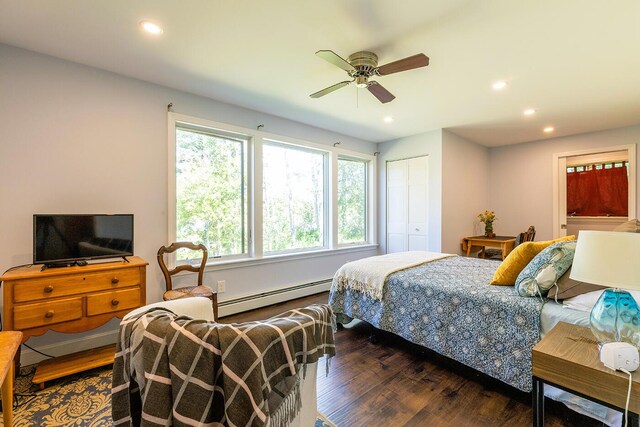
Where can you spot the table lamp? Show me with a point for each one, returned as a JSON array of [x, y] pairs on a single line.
[[612, 259]]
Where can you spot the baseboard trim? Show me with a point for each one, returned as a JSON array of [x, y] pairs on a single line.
[[238, 305], [226, 308]]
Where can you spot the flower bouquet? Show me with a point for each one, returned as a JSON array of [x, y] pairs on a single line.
[[487, 217]]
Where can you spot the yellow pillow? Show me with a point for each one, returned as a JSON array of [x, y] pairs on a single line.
[[508, 271]]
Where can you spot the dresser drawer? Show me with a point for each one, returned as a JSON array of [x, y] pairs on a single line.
[[107, 302], [74, 284], [27, 316]]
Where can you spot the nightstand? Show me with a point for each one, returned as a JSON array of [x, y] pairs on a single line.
[[568, 358]]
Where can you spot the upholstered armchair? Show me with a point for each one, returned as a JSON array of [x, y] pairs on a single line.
[[201, 351]]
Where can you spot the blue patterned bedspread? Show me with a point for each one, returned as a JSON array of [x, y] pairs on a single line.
[[448, 306]]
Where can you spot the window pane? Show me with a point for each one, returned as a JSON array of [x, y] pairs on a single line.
[[293, 198], [211, 196], [352, 201]]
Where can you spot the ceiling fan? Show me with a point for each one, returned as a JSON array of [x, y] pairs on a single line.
[[362, 65]]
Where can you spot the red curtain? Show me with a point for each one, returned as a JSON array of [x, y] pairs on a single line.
[[598, 192]]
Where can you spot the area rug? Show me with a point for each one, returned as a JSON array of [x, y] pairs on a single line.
[[77, 400]]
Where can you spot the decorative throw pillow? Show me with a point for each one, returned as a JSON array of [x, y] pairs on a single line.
[[568, 288], [507, 272], [632, 226], [545, 268]]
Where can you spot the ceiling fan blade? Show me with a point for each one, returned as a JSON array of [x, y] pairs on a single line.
[[332, 57], [380, 92], [409, 63], [330, 89]]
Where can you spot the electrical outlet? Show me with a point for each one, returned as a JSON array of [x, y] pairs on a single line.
[[222, 286]]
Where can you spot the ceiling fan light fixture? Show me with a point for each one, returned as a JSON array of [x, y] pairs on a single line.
[[362, 81], [362, 65]]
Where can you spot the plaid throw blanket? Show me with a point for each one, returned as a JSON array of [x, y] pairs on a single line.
[[172, 370]]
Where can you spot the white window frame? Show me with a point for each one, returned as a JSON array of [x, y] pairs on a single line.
[[559, 182], [178, 121], [255, 254], [325, 192], [368, 195]]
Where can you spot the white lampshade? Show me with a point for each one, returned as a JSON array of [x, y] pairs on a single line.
[[608, 258]]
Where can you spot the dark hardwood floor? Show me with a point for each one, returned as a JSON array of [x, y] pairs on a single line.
[[396, 383]]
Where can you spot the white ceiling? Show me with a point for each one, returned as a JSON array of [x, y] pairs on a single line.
[[576, 61]]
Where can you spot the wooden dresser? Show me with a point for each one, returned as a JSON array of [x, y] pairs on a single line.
[[70, 300]]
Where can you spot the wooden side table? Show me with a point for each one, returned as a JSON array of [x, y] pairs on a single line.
[[568, 358], [505, 243], [10, 344]]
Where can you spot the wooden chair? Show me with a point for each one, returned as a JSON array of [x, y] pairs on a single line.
[[189, 291], [526, 236]]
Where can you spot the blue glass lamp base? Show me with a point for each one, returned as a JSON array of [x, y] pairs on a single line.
[[616, 317]]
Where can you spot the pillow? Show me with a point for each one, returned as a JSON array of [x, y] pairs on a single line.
[[567, 287], [507, 272], [585, 302], [545, 268], [632, 226]]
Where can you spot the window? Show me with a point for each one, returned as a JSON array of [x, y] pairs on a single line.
[[352, 201], [248, 195], [598, 190], [211, 190], [293, 197]]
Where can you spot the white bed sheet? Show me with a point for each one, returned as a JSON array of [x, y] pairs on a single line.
[[553, 312]]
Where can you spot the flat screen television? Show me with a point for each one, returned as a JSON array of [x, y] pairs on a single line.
[[60, 240]]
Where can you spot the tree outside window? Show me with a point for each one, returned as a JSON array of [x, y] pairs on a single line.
[[211, 192], [352, 201], [293, 192]]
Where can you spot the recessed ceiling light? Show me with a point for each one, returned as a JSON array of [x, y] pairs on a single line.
[[388, 119], [499, 85], [529, 112], [151, 28], [549, 129]]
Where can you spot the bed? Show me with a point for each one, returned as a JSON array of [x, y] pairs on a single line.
[[447, 306]]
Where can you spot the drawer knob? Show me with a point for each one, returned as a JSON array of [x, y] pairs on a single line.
[[114, 302], [49, 314], [115, 280], [48, 289]]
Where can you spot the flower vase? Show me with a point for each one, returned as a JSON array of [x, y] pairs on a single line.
[[488, 229]]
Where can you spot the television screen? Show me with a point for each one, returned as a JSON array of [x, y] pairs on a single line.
[[64, 238]]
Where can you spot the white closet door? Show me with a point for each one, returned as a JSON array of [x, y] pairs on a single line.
[[417, 203], [397, 206], [407, 204]]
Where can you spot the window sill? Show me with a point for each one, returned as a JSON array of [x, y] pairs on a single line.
[[272, 259]]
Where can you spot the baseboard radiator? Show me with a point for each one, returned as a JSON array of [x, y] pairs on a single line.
[[225, 308], [251, 302]]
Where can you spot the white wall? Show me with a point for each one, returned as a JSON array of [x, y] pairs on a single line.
[[430, 144], [77, 139], [465, 174], [521, 177]]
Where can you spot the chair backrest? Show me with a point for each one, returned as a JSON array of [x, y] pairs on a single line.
[[196, 308], [184, 267], [527, 236]]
